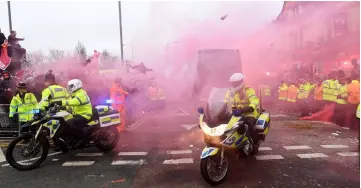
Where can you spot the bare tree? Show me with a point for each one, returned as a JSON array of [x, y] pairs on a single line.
[[35, 59], [80, 51], [55, 55]]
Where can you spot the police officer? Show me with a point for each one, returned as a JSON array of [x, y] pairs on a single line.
[[53, 92], [244, 98], [81, 109], [22, 104]]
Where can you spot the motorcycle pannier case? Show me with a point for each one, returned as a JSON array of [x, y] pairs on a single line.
[[263, 124], [108, 116]]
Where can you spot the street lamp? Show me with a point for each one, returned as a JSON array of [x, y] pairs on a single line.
[[132, 50], [121, 31], [166, 49], [9, 15]]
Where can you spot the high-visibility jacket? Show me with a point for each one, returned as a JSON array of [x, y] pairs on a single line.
[[358, 111], [330, 90], [282, 92], [51, 94], [318, 93], [117, 95], [24, 107], [80, 103], [243, 98], [292, 93], [265, 90], [342, 94], [304, 90], [353, 90]]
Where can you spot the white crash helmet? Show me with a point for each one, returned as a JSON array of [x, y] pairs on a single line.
[[237, 80], [74, 85]]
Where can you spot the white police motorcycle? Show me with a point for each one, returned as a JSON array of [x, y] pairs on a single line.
[[221, 135]]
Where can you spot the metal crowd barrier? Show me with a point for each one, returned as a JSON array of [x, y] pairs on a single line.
[[7, 126]]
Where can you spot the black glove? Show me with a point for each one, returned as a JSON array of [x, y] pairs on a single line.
[[12, 119], [55, 103]]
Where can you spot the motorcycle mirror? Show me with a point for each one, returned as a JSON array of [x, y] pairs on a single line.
[[200, 110]]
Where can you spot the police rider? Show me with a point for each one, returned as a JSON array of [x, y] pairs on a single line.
[[53, 92], [243, 98], [81, 109]]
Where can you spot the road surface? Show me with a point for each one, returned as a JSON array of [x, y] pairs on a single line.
[[162, 150]]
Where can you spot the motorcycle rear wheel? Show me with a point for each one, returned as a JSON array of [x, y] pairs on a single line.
[[106, 133], [10, 158], [205, 169]]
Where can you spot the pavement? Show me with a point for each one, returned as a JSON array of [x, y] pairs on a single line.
[[162, 150]]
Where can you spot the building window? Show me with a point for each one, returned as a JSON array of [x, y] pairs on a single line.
[[340, 24]]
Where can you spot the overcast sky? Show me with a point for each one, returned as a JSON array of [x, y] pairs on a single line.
[[60, 25]]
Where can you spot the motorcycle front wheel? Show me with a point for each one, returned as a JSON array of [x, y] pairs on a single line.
[[30, 150], [213, 172]]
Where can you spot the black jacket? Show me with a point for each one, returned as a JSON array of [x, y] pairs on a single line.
[[2, 38]]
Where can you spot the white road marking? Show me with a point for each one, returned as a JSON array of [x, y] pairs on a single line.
[[264, 148], [189, 126], [268, 157], [348, 154], [132, 153], [78, 163], [334, 146], [176, 152], [180, 114], [279, 115], [2, 156], [311, 155], [129, 162], [89, 154], [32, 159], [183, 111], [55, 160], [296, 147], [139, 122], [179, 161]]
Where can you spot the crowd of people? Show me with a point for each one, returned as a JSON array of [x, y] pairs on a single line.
[[334, 97]]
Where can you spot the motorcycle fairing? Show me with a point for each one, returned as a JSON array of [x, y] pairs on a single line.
[[63, 114], [209, 151], [53, 126]]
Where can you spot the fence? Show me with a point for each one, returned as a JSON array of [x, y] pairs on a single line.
[[7, 126]]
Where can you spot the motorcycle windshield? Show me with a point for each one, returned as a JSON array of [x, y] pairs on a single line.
[[216, 112]]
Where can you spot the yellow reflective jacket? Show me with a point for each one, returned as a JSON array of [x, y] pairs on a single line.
[[243, 98], [304, 90], [24, 107], [265, 90], [51, 94], [358, 111], [80, 103], [342, 94], [330, 90], [282, 92]]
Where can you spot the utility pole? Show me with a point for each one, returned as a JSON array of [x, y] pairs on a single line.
[[121, 31], [9, 15]]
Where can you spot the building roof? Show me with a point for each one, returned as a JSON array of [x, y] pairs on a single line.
[[286, 6]]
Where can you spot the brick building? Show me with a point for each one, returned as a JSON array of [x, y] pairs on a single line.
[[325, 34]]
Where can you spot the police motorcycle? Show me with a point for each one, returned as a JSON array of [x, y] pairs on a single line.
[[51, 124], [221, 136]]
